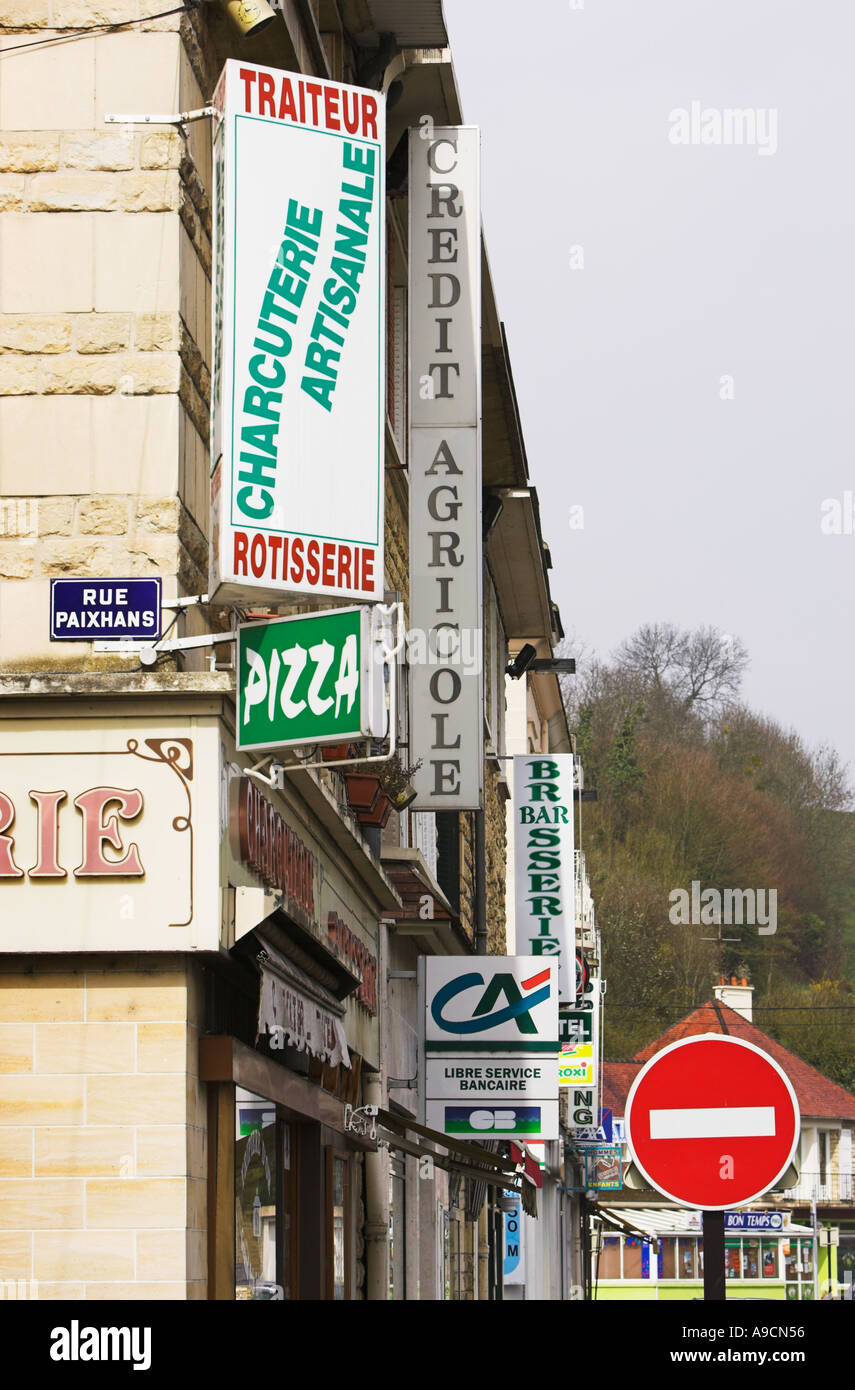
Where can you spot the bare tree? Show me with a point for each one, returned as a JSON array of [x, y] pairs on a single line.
[[703, 668], [651, 652]]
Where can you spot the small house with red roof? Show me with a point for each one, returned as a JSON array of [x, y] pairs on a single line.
[[650, 1248]]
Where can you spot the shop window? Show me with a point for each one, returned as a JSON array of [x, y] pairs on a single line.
[[338, 1226], [733, 1259], [632, 1257], [397, 1227], [448, 855], [255, 1197], [686, 1259], [667, 1257], [610, 1258], [289, 1251], [751, 1259], [443, 1223], [790, 1251], [769, 1262], [824, 1145]]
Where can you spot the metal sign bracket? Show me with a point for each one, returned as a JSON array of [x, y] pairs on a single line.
[[181, 118]]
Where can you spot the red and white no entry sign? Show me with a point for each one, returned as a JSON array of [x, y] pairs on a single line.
[[712, 1122]]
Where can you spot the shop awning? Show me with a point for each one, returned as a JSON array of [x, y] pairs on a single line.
[[227, 1059], [470, 1160], [653, 1222], [530, 1162], [626, 1228], [296, 1006]]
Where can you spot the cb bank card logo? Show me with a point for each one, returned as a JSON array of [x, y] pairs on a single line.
[[504, 1119], [511, 1000]]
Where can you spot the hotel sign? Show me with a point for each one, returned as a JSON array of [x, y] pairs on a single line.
[[299, 383], [446, 677]]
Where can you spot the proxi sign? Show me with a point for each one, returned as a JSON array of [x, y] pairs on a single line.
[[308, 680], [712, 1122], [299, 382]]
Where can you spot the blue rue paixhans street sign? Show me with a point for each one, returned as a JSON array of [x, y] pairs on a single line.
[[99, 610]]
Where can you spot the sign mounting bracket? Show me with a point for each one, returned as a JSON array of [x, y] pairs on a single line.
[[181, 118]]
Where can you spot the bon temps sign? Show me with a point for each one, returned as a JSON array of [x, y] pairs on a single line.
[[298, 389], [104, 829]]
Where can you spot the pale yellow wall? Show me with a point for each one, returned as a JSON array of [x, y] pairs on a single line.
[[102, 1130]]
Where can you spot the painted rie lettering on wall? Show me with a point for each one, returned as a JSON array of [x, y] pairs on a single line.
[[544, 862], [103, 837], [446, 679]]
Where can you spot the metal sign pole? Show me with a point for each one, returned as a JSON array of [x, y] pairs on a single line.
[[714, 1275]]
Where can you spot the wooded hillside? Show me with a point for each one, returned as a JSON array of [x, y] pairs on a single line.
[[694, 787]]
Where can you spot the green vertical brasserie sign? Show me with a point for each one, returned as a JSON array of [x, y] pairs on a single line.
[[303, 679]]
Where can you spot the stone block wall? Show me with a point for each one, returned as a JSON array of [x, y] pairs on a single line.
[[105, 313], [102, 1130]]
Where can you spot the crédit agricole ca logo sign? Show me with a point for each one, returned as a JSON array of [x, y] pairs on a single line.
[[488, 1012], [507, 1001]]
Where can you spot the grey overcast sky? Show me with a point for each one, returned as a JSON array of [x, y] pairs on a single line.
[[701, 261]]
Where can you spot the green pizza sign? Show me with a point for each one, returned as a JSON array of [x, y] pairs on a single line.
[[305, 679]]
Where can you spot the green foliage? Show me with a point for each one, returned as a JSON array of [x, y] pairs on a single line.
[[817, 1022], [622, 773], [688, 790]]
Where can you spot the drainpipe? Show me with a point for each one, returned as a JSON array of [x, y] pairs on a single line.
[[480, 883], [376, 1163], [483, 1255], [376, 1209]]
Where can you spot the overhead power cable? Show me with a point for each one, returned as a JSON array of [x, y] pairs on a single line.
[[96, 30]]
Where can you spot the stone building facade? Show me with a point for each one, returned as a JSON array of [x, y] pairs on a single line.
[[133, 1078]]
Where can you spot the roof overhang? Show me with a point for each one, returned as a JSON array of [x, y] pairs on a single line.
[[415, 23], [441, 932]]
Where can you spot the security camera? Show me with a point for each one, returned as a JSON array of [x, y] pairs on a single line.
[[250, 17]]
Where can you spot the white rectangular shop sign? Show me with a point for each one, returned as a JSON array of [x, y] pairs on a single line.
[[484, 1003], [494, 1119], [502, 1078], [298, 389], [583, 1059], [445, 618], [108, 831], [544, 871]]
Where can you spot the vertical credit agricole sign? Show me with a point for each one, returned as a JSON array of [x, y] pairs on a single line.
[[298, 391], [446, 665]]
